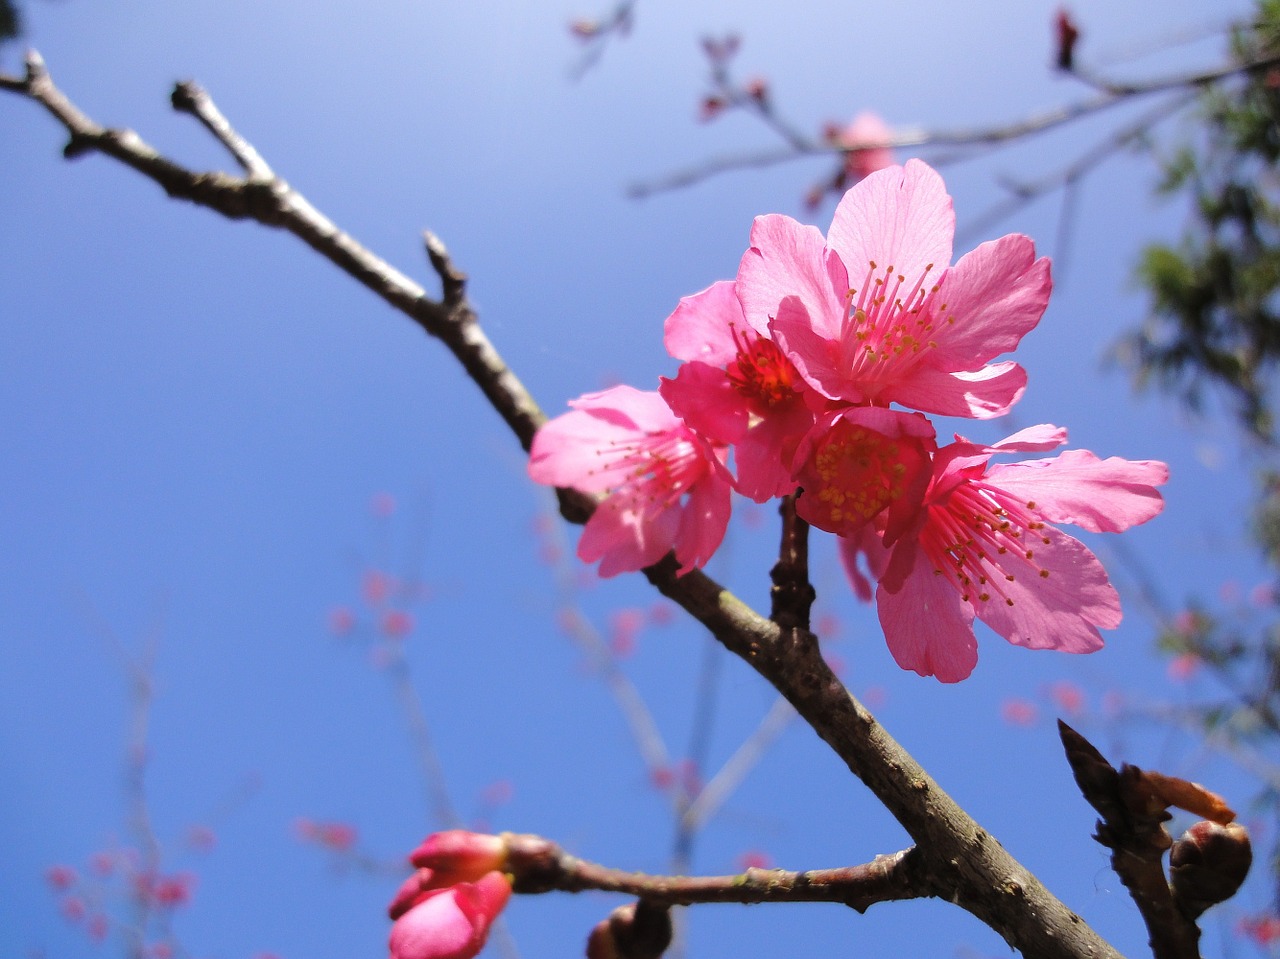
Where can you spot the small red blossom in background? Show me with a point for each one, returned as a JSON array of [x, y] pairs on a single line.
[[584, 29], [1262, 929], [865, 141], [61, 877], [1183, 667], [1019, 712], [396, 624], [1068, 697], [754, 859], [338, 836], [720, 50]]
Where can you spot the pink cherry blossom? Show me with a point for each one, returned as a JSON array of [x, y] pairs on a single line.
[[736, 387], [983, 546], [665, 484], [865, 137], [872, 314], [450, 923], [861, 462]]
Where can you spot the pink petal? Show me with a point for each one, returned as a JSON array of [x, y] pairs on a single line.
[[1076, 487], [705, 399], [864, 545], [703, 521], [790, 259], [928, 627], [983, 394], [898, 217], [1062, 610], [816, 357], [701, 326], [624, 537], [994, 295]]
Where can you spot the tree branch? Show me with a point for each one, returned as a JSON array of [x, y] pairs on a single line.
[[540, 866]]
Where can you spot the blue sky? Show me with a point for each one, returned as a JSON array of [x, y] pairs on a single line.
[[196, 415]]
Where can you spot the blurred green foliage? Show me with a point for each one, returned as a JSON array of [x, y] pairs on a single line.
[[1213, 295]]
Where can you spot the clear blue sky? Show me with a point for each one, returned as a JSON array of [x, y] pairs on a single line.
[[195, 415]]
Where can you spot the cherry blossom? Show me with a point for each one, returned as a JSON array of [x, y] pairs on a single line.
[[736, 387], [983, 546], [666, 487], [861, 462], [872, 314]]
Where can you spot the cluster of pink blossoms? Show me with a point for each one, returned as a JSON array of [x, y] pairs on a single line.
[[815, 368]]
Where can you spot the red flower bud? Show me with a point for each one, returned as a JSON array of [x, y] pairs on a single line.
[[458, 855]]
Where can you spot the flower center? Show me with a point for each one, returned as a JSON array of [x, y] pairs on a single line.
[[761, 371], [888, 324], [982, 538], [859, 472]]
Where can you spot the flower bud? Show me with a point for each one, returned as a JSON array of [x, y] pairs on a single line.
[[450, 923], [638, 930], [1208, 864], [457, 855]]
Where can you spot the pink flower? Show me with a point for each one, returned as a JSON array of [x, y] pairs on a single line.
[[396, 623], [864, 139], [862, 462], [1018, 712], [60, 877], [873, 315], [983, 547], [736, 387], [665, 487], [450, 923]]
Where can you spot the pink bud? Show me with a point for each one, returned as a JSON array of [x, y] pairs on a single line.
[[458, 855], [450, 923]]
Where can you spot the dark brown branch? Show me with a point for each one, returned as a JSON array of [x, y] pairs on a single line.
[[1132, 827], [960, 862], [539, 866], [792, 593]]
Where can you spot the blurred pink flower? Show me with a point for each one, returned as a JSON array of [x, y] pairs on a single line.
[[864, 140], [341, 620], [382, 505], [1183, 667], [338, 836], [1263, 928], [450, 923], [61, 877], [98, 927], [665, 486], [201, 838], [624, 627], [873, 314], [1018, 712], [1067, 696], [983, 546], [73, 908], [376, 587], [754, 859], [396, 624]]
